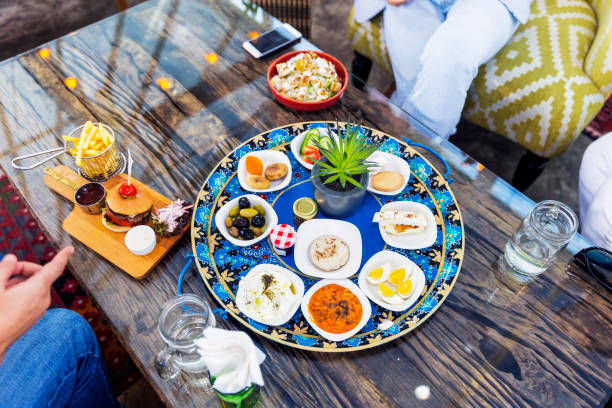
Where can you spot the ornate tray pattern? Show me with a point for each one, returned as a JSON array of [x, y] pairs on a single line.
[[222, 264]]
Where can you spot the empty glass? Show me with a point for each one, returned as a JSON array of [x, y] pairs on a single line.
[[543, 234], [183, 320]]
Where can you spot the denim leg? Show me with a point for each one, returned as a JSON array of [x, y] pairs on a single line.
[[57, 363]]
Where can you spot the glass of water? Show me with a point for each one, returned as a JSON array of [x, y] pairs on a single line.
[[543, 234], [183, 320]]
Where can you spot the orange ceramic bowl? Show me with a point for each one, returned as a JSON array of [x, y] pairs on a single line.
[[308, 106]]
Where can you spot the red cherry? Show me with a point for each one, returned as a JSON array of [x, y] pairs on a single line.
[[127, 190]]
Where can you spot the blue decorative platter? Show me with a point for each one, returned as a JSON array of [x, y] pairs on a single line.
[[222, 264]]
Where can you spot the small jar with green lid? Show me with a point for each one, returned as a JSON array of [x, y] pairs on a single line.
[[304, 209]]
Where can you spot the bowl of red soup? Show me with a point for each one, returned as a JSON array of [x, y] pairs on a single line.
[[336, 308], [307, 80]]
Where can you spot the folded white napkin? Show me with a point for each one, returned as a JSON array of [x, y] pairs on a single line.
[[232, 358]]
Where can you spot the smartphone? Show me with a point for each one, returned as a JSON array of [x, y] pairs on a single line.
[[272, 41]]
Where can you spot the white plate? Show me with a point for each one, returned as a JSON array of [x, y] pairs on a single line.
[[411, 241], [296, 143], [396, 260], [267, 157], [222, 214], [389, 162], [313, 229], [297, 283], [365, 306]]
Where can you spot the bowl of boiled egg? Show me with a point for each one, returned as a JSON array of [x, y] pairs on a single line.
[[391, 280]]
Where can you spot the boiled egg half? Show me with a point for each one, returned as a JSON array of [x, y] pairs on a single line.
[[380, 274], [387, 294]]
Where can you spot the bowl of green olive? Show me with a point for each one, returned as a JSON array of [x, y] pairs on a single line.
[[246, 220]]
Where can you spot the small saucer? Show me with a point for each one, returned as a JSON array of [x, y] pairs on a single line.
[[298, 284], [267, 157], [389, 162], [365, 306], [296, 144], [223, 212], [411, 241], [396, 260], [313, 229]]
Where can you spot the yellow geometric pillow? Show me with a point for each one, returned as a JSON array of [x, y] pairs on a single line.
[[535, 90], [598, 64]]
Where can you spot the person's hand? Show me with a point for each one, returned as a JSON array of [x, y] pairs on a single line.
[[25, 294], [397, 2]]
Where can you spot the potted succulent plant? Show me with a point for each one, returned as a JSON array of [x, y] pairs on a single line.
[[341, 176]]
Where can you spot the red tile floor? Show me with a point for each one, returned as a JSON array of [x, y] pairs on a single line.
[[602, 123], [20, 235]]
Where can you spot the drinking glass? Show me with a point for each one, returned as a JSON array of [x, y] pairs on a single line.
[[183, 320], [543, 234]]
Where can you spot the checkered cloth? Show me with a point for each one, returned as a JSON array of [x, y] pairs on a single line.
[[283, 236]]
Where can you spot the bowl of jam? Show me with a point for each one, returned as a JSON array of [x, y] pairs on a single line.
[[90, 197]]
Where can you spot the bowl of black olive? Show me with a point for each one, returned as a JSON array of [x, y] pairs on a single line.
[[246, 220]]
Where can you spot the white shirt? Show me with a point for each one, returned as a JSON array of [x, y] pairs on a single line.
[[366, 9]]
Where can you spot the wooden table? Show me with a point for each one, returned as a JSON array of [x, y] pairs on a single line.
[[546, 343]]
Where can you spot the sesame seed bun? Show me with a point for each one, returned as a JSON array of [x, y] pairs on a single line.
[[139, 204]]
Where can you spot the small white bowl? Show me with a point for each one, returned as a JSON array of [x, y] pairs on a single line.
[[313, 229], [223, 213], [411, 241], [296, 144], [396, 260], [389, 162], [267, 157], [140, 240], [365, 306], [298, 284]]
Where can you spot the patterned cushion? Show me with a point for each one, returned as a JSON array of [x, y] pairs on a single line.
[[368, 39], [598, 63], [535, 91]]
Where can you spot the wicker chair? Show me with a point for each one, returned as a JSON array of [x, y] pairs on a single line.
[[295, 12]]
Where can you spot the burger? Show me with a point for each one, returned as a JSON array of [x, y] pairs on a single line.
[[127, 205]]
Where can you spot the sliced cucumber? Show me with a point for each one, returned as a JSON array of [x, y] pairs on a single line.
[[309, 138], [325, 142]]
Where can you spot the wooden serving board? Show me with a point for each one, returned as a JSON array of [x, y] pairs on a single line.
[[88, 228]]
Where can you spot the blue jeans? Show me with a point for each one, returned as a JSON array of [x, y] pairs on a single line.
[[57, 363]]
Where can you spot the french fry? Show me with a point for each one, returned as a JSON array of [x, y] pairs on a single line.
[[103, 135], [79, 155], [70, 138], [108, 135], [87, 140], [91, 152], [94, 139], [87, 128]]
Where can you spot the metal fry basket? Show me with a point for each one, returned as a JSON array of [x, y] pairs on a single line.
[[100, 167]]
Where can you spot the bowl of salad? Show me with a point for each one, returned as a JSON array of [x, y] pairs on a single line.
[[307, 80]]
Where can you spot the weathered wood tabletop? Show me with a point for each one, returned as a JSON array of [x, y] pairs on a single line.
[[546, 343]]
